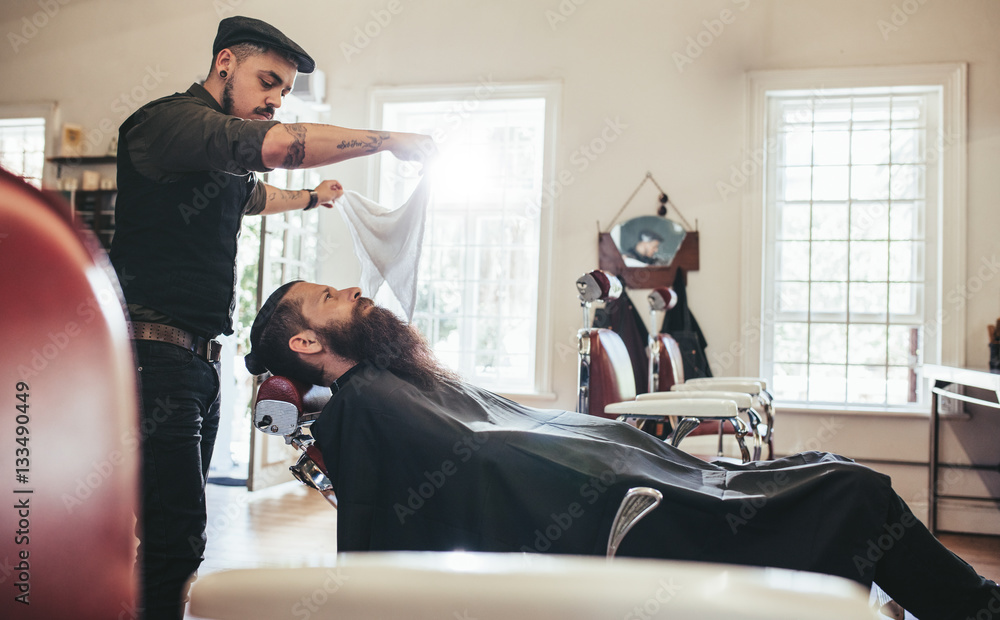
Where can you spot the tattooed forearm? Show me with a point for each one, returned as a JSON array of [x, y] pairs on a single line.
[[277, 200], [370, 144], [284, 194], [297, 149]]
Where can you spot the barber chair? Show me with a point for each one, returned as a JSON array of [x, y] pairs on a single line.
[[606, 386], [286, 407], [752, 388], [744, 406], [70, 430], [755, 386], [666, 373]]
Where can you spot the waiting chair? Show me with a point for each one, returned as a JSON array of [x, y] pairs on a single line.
[[745, 407], [70, 428], [606, 385], [753, 388], [666, 373]]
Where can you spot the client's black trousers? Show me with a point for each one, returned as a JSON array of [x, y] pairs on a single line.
[[178, 425], [920, 574]]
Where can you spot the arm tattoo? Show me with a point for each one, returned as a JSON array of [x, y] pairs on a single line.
[[370, 144], [284, 194], [297, 149]]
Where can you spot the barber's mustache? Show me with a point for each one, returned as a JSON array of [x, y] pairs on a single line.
[[268, 110]]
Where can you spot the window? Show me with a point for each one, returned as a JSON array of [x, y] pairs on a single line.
[[273, 250], [481, 286], [22, 148], [855, 182]]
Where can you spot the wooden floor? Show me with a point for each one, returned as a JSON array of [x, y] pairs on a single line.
[[287, 525], [291, 525]]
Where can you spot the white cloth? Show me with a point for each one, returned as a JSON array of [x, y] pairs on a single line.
[[388, 241]]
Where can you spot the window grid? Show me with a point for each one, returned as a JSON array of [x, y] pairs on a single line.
[[851, 316], [22, 148], [481, 241]]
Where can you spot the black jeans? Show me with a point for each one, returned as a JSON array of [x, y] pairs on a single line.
[[178, 425], [927, 579]]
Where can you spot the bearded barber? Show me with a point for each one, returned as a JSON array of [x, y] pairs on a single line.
[[186, 167]]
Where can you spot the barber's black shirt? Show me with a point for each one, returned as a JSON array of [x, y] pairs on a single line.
[[185, 180]]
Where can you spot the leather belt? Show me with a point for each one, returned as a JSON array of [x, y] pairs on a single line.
[[209, 350]]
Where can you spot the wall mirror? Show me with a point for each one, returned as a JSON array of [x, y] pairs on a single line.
[[646, 251], [648, 240]]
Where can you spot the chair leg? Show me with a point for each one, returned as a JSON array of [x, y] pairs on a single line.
[[768, 408], [637, 503], [682, 429], [755, 427], [740, 430]]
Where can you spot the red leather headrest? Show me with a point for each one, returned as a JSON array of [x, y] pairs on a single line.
[[283, 389], [306, 397], [663, 298], [598, 285]]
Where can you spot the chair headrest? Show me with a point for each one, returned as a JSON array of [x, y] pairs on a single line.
[[598, 285], [282, 402], [663, 298]]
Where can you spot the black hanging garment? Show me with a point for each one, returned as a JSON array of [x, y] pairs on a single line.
[[681, 324], [621, 317]]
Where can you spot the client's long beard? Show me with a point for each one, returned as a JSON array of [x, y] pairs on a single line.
[[380, 339]]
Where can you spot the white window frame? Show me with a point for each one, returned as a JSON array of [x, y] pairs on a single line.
[[489, 90], [946, 326], [48, 110]]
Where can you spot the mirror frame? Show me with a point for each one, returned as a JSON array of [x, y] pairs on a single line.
[[654, 276]]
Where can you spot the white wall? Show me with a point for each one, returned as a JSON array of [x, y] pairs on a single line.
[[616, 61]]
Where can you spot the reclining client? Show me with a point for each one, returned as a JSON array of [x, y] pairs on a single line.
[[420, 460]]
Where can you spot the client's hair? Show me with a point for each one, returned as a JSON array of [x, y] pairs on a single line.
[[271, 352], [373, 337]]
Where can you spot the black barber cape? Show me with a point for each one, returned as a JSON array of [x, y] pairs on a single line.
[[462, 468]]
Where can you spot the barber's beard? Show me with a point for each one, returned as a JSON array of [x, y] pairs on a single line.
[[227, 97], [378, 338], [229, 105]]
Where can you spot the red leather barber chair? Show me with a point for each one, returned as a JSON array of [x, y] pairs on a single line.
[[606, 386], [604, 375], [286, 407], [70, 434], [666, 367], [666, 373]]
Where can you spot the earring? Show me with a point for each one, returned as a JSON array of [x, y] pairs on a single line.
[[223, 73]]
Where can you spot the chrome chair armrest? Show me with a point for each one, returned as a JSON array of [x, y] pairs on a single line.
[[758, 428], [685, 414]]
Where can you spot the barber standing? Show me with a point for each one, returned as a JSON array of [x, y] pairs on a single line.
[[186, 167]]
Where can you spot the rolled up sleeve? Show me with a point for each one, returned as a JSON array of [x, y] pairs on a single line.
[[176, 137]]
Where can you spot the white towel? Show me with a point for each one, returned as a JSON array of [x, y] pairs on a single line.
[[388, 241]]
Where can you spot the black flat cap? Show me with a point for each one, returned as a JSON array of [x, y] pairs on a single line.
[[239, 29], [253, 360]]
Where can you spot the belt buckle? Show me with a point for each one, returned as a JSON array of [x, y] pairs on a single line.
[[213, 350]]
